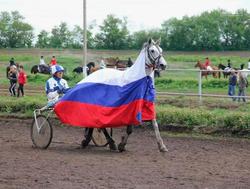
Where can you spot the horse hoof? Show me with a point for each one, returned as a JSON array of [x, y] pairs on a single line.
[[112, 146], [164, 149], [121, 147]]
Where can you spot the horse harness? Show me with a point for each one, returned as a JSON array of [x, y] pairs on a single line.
[[153, 60]]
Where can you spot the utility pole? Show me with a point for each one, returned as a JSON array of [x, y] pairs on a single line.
[[84, 39]]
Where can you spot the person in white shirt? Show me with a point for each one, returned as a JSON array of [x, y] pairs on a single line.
[[42, 65], [42, 62]]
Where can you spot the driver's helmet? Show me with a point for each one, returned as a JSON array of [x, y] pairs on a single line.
[[56, 68]]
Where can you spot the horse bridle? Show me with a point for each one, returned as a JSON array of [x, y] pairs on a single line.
[[153, 60]]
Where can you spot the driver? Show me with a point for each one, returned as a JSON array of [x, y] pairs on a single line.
[[56, 86]]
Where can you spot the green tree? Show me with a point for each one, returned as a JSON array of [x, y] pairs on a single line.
[[60, 36], [43, 39], [14, 31], [113, 34], [140, 37], [176, 33], [214, 30], [77, 37]]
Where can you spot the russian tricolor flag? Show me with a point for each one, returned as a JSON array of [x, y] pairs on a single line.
[[110, 98]]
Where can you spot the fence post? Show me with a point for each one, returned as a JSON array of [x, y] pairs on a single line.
[[200, 86]]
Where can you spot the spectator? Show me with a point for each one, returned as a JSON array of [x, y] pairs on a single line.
[[232, 84], [53, 61], [12, 76], [56, 86], [22, 79], [130, 63], [242, 83], [12, 62]]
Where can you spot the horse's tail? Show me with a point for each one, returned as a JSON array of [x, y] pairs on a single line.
[[32, 71]]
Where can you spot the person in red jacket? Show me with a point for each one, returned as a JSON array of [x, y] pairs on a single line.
[[22, 79], [53, 61]]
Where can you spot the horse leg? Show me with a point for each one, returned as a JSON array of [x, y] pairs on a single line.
[[160, 143], [214, 75], [88, 136], [121, 146], [205, 76], [111, 142]]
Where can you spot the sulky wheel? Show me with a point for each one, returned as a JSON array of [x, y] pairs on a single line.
[[41, 132], [99, 138]]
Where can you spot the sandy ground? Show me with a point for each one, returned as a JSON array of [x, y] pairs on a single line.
[[190, 163]]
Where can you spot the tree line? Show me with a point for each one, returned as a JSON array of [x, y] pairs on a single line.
[[214, 30]]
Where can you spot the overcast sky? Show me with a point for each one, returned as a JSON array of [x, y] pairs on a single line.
[[141, 14]]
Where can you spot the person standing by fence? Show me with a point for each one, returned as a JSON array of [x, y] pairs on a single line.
[[22, 78], [232, 84], [242, 83]]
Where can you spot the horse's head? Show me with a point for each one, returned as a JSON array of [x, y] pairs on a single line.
[[200, 65], [154, 56], [221, 66], [197, 64]]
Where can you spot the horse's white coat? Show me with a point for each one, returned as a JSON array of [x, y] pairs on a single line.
[[149, 71]]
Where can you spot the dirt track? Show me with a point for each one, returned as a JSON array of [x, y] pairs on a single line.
[[190, 163]]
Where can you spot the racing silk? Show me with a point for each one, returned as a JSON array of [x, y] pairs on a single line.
[[207, 63], [54, 87]]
